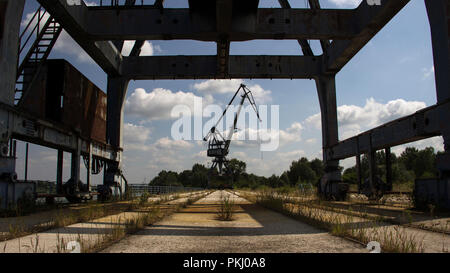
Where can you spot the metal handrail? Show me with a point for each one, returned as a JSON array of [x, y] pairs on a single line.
[[36, 42], [114, 3], [37, 26], [144, 188]]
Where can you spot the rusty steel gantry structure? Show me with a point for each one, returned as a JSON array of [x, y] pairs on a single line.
[[101, 30]]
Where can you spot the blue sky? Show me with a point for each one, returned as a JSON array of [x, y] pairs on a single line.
[[391, 77]]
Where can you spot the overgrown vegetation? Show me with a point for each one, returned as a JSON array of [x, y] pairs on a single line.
[[117, 229], [65, 216], [407, 167], [357, 225], [410, 165], [24, 206], [225, 211]]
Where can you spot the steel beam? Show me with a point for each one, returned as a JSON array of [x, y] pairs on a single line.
[[420, 125], [89, 169], [75, 165], [224, 21], [72, 18], [388, 156], [117, 90], [136, 51], [372, 156], [358, 172], [439, 18], [148, 23], [330, 184], [326, 89], [306, 48], [205, 67], [59, 172], [10, 18], [27, 128], [367, 20], [315, 5]]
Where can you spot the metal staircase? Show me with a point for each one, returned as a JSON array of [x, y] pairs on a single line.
[[46, 31]]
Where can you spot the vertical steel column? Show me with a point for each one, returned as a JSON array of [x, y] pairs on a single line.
[[358, 167], [75, 165], [326, 89], [358, 172], [439, 18], [11, 12], [59, 172], [10, 17], [117, 90], [372, 168], [387, 152], [438, 15], [330, 184], [26, 161], [89, 168]]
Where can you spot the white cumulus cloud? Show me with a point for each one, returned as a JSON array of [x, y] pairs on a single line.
[[158, 104], [147, 49], [135, 137], [346, 3], [230, 86], [170, 144], [353, 119]]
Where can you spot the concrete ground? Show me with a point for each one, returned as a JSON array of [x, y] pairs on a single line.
[[35, 220], [254, 229], [90, 233]]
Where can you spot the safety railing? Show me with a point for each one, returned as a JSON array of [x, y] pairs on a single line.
[[35, 44], [139, 189], [48, 187], [33, 28], [110, 3]]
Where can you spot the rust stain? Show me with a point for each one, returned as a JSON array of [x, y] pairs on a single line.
[[83, 103]]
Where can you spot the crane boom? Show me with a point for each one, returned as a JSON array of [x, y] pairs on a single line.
[[218, 145]]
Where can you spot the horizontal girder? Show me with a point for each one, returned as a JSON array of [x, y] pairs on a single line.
[[420, 125], [104, 53], [371, 19], [27, 128], [148, 23], [94, 28], [204, 67]]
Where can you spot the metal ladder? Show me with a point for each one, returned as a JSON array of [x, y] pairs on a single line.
[[46, 31]]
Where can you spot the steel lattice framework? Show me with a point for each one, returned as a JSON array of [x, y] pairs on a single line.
[[101, 30]]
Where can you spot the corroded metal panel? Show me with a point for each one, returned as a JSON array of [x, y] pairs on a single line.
[[33, 101], [67, 98]]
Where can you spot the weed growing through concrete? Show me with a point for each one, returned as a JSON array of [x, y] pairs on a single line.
[[64, 217], [391, 238], [226, 209]]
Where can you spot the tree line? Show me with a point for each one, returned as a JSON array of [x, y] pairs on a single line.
[[411, 164]]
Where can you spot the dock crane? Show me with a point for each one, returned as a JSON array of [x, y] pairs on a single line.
[[218, 145]]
